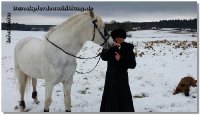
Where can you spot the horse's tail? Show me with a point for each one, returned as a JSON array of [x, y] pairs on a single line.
[[18, 73]]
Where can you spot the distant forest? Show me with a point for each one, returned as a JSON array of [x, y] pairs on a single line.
[[128, 26], [191, 24]]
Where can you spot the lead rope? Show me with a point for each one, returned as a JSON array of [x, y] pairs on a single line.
[[76, 57], [90, 70]]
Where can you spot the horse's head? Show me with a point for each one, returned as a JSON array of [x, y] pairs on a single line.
[[100, 34]]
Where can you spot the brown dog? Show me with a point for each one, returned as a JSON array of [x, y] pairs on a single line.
[[184, 85]]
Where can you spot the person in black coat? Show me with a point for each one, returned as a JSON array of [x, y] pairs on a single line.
[[117, 95]]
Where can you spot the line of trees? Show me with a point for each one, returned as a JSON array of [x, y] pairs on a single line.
[[128, 26], [23, 27], [192, 24]]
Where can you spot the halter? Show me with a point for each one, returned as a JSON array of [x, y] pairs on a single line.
[[105, 37]]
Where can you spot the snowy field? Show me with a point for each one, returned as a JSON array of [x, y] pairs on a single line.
[[163, 58]]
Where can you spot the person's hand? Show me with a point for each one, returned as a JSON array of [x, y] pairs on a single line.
[[117, 56]]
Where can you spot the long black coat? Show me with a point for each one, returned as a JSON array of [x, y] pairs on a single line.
[[117, 95]]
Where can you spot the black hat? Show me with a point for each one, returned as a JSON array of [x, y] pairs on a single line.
[[118, 33]]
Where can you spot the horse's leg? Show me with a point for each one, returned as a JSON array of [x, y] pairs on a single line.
[[48, 93], [67, 93], [34, 93], [22, 80]]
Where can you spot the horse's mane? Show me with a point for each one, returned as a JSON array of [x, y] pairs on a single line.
[[75, 18], [60, 25]]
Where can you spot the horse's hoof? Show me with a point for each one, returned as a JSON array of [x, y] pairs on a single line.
[[67, 111], [46, 110], [22, 104], [36, 101]]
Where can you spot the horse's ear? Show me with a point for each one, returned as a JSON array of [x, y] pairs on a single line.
[[91, 13]]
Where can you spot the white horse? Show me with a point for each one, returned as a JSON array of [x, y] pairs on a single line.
[[53, 58]]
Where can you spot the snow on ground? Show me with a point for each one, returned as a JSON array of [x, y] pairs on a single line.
[[163, 58]]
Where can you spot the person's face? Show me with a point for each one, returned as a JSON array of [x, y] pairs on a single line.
[[119, 40]]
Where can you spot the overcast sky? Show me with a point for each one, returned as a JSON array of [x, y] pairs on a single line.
[[118, 11]]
